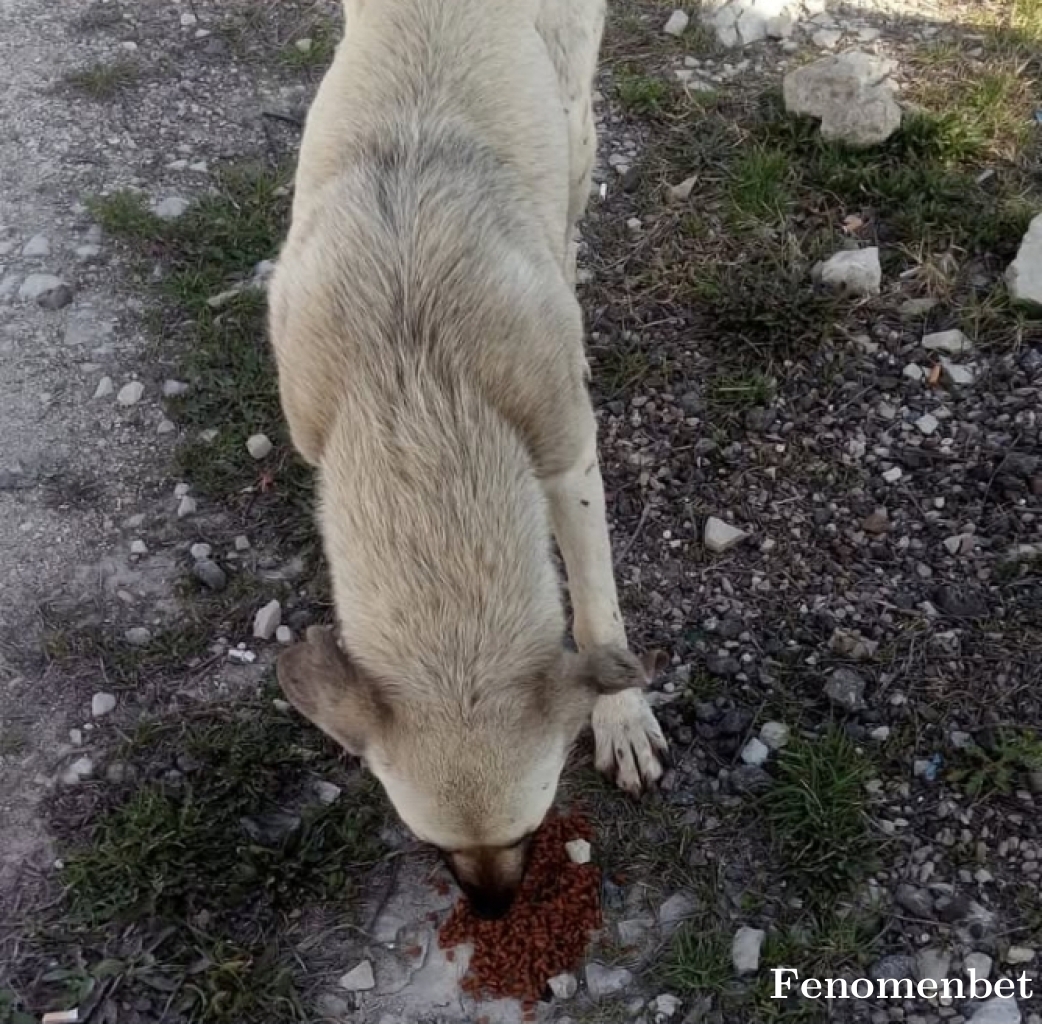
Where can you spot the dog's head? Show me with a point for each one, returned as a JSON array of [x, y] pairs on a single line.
[[474, 775]]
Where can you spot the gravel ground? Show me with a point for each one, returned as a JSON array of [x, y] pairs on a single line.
[[834, 532]]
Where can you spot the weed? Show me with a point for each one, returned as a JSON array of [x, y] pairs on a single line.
[[995, 768], [817, 812], [104, 81], [641, 94], [698, 960], [759, 184], [311, 51], [741, 391]]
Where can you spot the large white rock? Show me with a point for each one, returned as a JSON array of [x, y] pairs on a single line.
[[745, 949], [852, 272], [1024, 276], [852, 95], [741, 22]]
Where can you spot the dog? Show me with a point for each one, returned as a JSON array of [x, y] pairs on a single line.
[[432, 369]]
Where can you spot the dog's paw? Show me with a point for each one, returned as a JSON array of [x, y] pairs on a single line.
[[629, 743]]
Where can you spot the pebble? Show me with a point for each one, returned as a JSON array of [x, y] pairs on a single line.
[[745, 949], [578, 851], [774, 734], [242, 543], [359, 978], [915, 900], [37, 286], [563, 986], [187, 507], [677, 24], [957, 374], [676, 909], [138, 547], [284, 635], [666, 1006], [996, 1010], [327, 792], [259, 446], [952, 343], [267, 620], [80, 770], [1024, 274], [846, 689], [913, 371], [980, 963], [174, 388], [38, 245], [1019, 955], [927, 424], [102, 704], [138, 636], [604, 982], [932, 963], [210, 574], [755, 752], [720, 536], [171, 208], [130, 393], [853, 272], [166, 426], [893, 474], [105, 388], [200, 551]]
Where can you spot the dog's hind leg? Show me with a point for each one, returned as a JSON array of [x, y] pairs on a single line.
[[629, 742]]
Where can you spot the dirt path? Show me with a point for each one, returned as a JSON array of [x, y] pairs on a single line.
[[856, 700]]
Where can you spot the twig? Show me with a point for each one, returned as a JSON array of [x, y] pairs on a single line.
[[633, 536]]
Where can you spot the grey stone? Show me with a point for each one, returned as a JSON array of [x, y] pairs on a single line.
[[259, 446], [267, 620], [932, 964], [79, 771], [915, 900], [138, 636], [35, 286], [952, 343], [852, 95], [755, 752], [677, 23], [105, 388], [604, 982], [102, 704], [853, 272], [56, 298], [846, 689], [774, 734], [359, 978], [38, 245], [980, 963], [677, 909], [745, 949], [1024, 275], [209, 573], [895, 967], [171, 208], [563, 986], [130, 393], [720, 536], [996, 1010]]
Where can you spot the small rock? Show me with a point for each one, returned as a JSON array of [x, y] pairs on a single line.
[[57, 298], [755, 752], [846, 689], [876, 522], [749, 779], [682, 192], [853, 272], [927, 424], [186, 507], [665, 1007], [359, 979], [284, 635], [242, 543], [933, 964], [1024, 275], [578, 851], [209, 573], [774, 734], [980, 963], [913, 371], [105, 388], [267, 620], [893, 474], [915, 900], [604, 982], [327, 792], [80, 770], [895, 967], [130, 393], [1019, 955], [720, 536], [957, 374], [912, 308], [102, 704], [138, 547], [171, 208], [852, 94], [952, 343], [996, 1010], [826, 38], [38, 245], [677, 24], [174, 389], [745, 949], [304, 45], [675, 910], [36, 286], [259, 446], [200, 551], [563, 986]]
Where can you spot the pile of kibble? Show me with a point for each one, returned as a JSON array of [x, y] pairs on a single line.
[[546, 931]]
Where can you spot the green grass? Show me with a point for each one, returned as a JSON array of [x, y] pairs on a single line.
[[316, 56], [224, 351], [999, 768], [104, 81], [817, 813], [740, 391], [759, 184], [698, 961], [641, 94], [170, 863]]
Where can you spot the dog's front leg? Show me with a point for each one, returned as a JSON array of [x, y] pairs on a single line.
[[629, 741]]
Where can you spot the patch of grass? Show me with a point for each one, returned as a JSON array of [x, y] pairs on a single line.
[[998, 767], [758, 188], [741, 391], [14, 741], [698, 961], [204, 855], [642, 94], [104, 81], [11, 1011], [817, 812], [312, 50]]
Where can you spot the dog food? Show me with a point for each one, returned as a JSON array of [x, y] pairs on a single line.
[[546, 931]]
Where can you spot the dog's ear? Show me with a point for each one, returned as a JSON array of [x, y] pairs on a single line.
[[610, 669], [324, 686]]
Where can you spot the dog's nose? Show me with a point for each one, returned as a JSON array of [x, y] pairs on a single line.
[[491, 906]]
